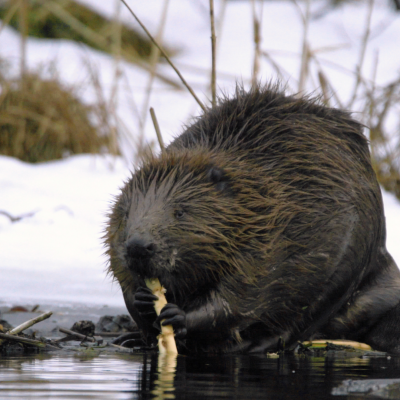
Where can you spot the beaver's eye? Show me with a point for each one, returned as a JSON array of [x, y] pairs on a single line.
[[179, 214]]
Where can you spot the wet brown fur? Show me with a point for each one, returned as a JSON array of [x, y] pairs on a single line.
[[283, 230]]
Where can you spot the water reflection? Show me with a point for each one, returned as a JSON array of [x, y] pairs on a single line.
[[164, 385], [243, 377], [145, 376]]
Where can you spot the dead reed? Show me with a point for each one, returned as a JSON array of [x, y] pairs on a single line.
[[376, 106], [41, 120]]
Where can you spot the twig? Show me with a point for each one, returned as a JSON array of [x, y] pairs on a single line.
[[323, 79], [166, 57], [362, 54], [14, 338], [157, 128], [305, 55], [77, 335], [371, 105], [218, 37], [257, 43], [29, 323], [323, 82], [116, 51], [213, 57], [154, 58], [126, 349], [348, 343], [23, 27], [166, 339]]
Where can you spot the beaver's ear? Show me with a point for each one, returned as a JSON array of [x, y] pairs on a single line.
[[218, 177]]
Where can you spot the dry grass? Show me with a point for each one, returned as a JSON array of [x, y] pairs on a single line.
[[32, 124], [40, 120], [381, 105]]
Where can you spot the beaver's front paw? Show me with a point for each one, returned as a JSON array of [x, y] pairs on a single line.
[[174, 316], [144, 304]]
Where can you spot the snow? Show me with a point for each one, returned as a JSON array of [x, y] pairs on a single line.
[[57, 253]]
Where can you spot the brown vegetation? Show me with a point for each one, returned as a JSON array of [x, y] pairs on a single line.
[[41, 120]]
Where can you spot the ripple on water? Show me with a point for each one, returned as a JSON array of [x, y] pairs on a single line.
[[44, 376], [140, 376]]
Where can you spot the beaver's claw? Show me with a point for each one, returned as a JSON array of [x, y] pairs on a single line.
[[144, 303], [174, 316]]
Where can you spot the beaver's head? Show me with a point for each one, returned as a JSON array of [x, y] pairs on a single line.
[[184, 219]]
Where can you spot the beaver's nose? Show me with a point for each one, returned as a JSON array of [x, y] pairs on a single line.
[[140, 248]]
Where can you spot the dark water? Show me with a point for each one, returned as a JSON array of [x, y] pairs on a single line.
[[143, 376]]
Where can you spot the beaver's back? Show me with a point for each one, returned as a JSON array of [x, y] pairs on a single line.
[[262, 116]]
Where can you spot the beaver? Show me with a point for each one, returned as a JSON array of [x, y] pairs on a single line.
[[264, 222]]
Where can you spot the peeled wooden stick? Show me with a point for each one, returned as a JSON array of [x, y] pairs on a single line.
[[349, 343], [29, 323], [166, 340], [37, 343]]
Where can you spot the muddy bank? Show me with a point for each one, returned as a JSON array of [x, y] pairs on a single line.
[[64, 315], [110, 321]]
